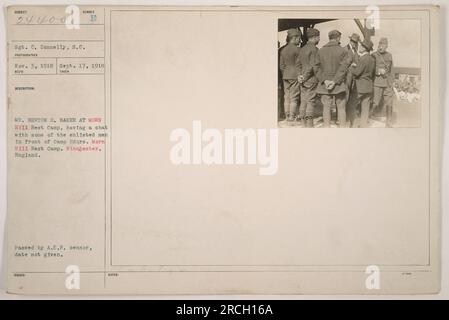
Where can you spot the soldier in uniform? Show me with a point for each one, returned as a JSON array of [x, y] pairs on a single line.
[[383, 81], [363, 74], [308, 56], [289, 65], [351, 93], [333, 64], [352, 48]]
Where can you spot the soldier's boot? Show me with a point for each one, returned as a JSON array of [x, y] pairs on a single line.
[[309, 121], [291, 118], [300, 117], [373, 112]]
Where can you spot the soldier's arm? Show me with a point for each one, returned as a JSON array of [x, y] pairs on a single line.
[[317, 69], [298, 62], [390, 65], [282, 64], [309, 68], [359, 69], [390, 75], [342, 69], [373, 71], [376, 66]]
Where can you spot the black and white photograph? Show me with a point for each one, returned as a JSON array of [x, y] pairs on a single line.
[[349, 73]]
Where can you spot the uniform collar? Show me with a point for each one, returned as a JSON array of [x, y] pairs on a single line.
[[332, 44], [352, 49], [377, 51]]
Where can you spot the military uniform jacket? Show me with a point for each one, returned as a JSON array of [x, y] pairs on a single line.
[[364, 73], [383, 61], [289, 62], [308, 56], [333, 64], [353, 56]]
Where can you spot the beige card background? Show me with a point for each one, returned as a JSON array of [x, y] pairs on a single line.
[[342, 199]]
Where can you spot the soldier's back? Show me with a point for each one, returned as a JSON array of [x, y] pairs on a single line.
[[331, 56], [289, 61]]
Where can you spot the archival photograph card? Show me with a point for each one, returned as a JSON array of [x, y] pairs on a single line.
[[223, 150]]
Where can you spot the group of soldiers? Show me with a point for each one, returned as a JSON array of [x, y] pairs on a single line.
[[359, 83]]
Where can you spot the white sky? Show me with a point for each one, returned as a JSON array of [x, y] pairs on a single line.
[[403, 38]]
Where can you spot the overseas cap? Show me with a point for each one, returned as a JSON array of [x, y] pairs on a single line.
[[383, 41], [293, 32], [355, 37], [312, 32], [334, 34]]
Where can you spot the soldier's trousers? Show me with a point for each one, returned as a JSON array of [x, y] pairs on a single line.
[[291, 97], [365, 103], [352, 105], [383, 96], [340, 101], [308, 100]]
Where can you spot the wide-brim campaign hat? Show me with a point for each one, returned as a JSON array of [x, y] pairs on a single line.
[[354, 37]]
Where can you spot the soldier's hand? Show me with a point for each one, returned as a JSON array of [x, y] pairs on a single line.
[[330, 85]]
